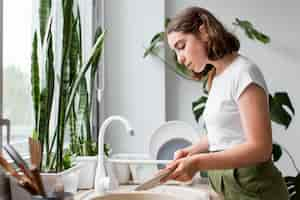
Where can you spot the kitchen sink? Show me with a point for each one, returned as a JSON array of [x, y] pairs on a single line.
[[163, 192], [137, 196]]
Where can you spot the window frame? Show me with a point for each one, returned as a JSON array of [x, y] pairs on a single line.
[[1, 68], [97, 17]]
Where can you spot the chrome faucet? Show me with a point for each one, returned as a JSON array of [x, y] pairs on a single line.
[[104, 182]]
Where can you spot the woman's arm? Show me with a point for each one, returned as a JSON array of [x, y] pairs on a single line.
[[254, 113], [200, 147]]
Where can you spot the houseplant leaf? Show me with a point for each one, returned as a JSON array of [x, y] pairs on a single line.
[[293, 184], [277, 111], [44, 13], [198, 107], [35, 79], [64, 82], [97, 49], [276, 152], [157, 38], [82, 111], [250, 31], [283, 99]]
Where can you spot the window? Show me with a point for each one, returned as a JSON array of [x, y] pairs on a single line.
[[1, 28], [16, 64], [17, 104]]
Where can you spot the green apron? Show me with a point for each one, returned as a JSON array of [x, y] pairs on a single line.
[[260, 182]]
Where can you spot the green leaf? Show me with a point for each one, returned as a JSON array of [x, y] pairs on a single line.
[[167, 21], [48, 93], [157, 38], [283, 99], [107, 149], [74, 51], [261, 37], [43, 130], [293, 185], [79, 32], [34, 135], [73, 132], [251, 32], [204, 87], [276, 152], [44, 13], [35, 79], [244, 23], [67, 159], [83, 103], [97, 49], [278, 112], [198, 107], [64, 82]]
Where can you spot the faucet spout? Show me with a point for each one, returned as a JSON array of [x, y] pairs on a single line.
[[102, 181]]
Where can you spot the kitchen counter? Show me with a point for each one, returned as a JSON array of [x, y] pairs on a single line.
[[193, 190]]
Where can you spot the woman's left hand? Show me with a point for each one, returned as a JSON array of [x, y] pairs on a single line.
[[183, 169]]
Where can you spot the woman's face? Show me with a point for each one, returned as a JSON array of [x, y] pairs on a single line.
[[190, 50]]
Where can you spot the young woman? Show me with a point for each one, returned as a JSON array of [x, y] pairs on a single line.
[[238, 146]]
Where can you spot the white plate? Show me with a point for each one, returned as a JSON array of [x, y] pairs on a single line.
[[170, 137]]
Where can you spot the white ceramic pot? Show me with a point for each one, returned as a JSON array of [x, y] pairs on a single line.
[[88, 166], [68, 179]]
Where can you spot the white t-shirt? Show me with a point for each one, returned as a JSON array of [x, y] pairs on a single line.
[[221, 114]]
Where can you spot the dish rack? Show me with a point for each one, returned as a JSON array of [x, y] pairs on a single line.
[[133, 168]]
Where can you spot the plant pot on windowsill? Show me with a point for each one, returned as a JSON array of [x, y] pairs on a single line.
[[67, 179]]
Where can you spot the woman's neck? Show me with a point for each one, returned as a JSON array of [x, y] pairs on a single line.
[[224, 62]]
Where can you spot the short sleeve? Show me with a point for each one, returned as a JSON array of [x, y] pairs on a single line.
[[249, 74]]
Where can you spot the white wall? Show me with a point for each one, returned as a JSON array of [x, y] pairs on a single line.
[[134, 87], [279, 60]]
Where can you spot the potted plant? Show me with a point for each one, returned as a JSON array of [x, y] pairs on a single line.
[[280, 104], [67, 80], [82, 144]]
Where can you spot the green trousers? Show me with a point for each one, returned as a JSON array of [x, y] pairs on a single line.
[[260, 182]]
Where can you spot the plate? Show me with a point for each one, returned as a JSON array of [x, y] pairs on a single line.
[[169, 137]]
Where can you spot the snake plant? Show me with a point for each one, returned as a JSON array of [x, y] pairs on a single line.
[[67, 79]]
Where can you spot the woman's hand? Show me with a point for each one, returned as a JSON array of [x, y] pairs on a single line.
[[181, 153], [183, 169]]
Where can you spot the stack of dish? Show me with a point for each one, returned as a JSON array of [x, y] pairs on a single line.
[[169, 137]]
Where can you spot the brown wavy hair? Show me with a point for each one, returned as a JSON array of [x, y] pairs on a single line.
[[220, 41]]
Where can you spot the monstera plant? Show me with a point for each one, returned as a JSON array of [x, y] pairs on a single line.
[[281, 108], [67, 79]]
